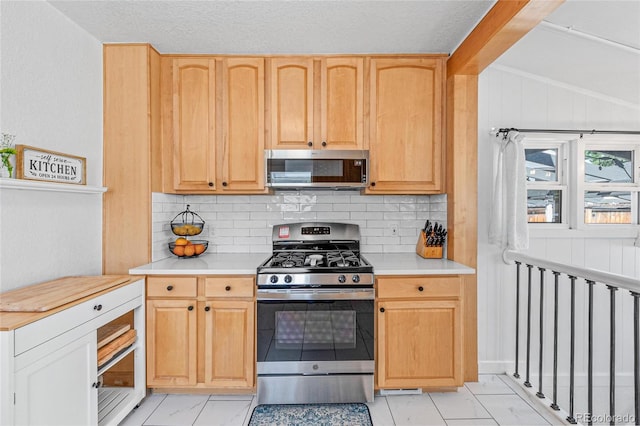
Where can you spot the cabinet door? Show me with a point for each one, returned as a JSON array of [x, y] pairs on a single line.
[[406, 125], [242, 145], [291, 103], [58, 388], [194, 145], [171, 343], [341, 102], [229, 343], [419, 343]]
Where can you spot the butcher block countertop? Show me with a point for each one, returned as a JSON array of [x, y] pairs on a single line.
[[29, 304], [247, 264]]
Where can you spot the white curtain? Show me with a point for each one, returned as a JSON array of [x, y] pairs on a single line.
[[508, 226]]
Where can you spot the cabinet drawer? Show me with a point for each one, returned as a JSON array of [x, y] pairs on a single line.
[[418, 286], [229, 287], [172, 286]]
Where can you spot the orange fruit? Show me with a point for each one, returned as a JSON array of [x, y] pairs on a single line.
[[182, 241], [189, 250], [199, 248], [178, 250]]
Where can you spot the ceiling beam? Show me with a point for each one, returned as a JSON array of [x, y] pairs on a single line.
[[506, 23]]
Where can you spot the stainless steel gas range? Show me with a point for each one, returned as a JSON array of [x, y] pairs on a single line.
[[315, 317]]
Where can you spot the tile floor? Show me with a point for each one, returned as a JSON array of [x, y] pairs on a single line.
[[493, 400]]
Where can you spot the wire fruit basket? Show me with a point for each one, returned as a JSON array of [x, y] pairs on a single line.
[[187, 224]]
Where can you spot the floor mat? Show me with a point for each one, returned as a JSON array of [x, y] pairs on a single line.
[[311, 414]]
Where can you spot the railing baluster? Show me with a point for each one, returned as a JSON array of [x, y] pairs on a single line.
[[554, 404], [516, 375], [636, 353], [526, 382], [571, 419], [539, 394], [612, 353], [590, 355]]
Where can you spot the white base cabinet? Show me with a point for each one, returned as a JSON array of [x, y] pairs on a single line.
[[49, 367]]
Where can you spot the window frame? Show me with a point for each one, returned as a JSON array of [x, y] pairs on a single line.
[[571, 180], [535, 141], [609, 143]]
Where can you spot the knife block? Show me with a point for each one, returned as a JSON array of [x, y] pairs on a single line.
[[433, 252]]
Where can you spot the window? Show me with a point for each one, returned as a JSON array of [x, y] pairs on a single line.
[[584, 182], [546, 182]]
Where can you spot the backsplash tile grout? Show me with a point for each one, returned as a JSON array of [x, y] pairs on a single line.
[[243, 223]]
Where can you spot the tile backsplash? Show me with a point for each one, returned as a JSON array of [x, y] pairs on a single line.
[[243, 223]]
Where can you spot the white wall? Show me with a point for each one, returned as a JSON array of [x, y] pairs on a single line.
[[51, 85], [508, 98]]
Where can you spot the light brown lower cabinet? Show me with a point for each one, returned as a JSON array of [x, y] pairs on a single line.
[[201, 332], [419, 330]]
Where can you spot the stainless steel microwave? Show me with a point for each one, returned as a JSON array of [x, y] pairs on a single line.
[[302, 168]]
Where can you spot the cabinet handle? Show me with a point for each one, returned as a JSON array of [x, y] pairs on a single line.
[[381, 309], [310, 143], [207, 308], [373, 184], [95, 385], [211, 184], [169, 287], [97, 308], [324, 143], [190, 308], [420, 288], [228, 288], [224, 184]]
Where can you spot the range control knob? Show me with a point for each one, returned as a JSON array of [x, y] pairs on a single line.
[[355, 278], [342, 279], [287, 279], [273, 279]]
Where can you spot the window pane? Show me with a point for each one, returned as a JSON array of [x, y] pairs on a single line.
[[544, 206], [542, 165], [608, 166], [607, 207]]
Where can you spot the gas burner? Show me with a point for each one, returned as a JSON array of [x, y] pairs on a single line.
[[342, 259], [288, 260]]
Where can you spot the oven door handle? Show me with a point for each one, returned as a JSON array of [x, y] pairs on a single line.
[[315, 294]]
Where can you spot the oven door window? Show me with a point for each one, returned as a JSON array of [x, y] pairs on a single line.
[[315, 331]]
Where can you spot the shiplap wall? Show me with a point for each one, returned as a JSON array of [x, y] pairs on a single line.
[[510, 98]]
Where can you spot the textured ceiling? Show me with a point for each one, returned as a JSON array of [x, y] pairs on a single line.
[[281, 27], [580, 57]]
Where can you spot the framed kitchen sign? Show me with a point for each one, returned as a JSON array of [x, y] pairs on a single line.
[[41, 164]]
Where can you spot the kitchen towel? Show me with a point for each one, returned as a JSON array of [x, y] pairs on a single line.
[[508, 226]]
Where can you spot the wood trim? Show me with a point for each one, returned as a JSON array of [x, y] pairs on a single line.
[[506, 23], [126, 230]]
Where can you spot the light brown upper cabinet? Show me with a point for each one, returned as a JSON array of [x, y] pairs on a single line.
[[406, 103], [194, 124], [316, 103], [213, 119], [241, 146]]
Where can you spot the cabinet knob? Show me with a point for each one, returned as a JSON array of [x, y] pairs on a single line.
[[95, 385], [381, 309], [190, 308], [420, 288], [97, 308], [324, 143], [228, 288], [373, 184], [310, 143], [224, 183], [169, 287], [207, 308], [210, 183]]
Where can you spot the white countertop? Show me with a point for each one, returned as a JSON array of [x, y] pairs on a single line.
[[246, 264], [206, 264], [412, 264]]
